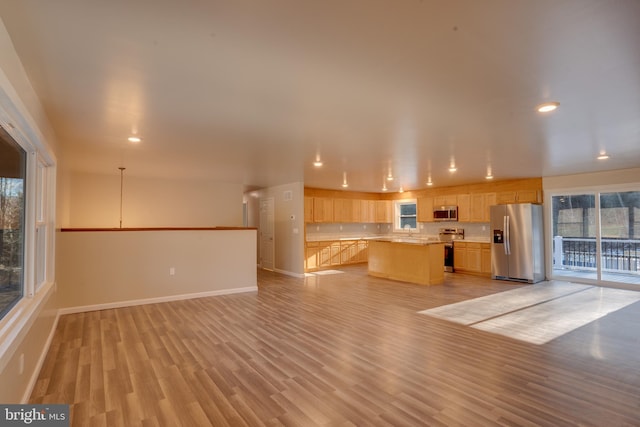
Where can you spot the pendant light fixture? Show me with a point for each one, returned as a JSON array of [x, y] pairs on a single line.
[[121, 190]]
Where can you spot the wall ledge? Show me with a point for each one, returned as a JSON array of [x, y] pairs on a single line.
[[67, 230]]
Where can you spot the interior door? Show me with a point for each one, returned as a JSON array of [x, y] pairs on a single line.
[[267, 243]]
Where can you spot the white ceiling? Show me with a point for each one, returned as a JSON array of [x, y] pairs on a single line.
[[251, 91]]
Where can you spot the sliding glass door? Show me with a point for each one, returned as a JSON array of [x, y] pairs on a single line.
[[620, 242], [596, 236]]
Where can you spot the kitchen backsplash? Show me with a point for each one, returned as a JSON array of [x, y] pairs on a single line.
[[472, 231]]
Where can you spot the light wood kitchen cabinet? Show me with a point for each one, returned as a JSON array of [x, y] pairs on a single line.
[[324, 254], [425, 209], [308, 209], [342, 210], [520, 196], [486, 258], [459, 256], [413, 263], [311, 261], [383, 211], [473, 260], [322, 209], [363, 254], [372, 210], [480, 206], [356, 211], [449, 200], [327, 254], [464, 207], [336, 259], [350, 251], [364, 211], [472, 257]]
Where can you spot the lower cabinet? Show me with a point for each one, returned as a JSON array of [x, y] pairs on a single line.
[[472, 257], [334, 253], [486, 258]]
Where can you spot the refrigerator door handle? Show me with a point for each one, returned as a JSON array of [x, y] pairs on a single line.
[[507, 236]]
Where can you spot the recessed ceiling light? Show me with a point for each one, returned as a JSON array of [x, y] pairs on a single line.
[[547, 107], [134, 139], [401, 189], [489, 177], [390, 178], [429, 183], [344, 180], [317, 163], [603, 156], [345, 185], [453, 169]]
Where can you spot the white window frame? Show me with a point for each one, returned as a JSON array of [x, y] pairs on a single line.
[[596, 191], [18, 124], [396, 214]]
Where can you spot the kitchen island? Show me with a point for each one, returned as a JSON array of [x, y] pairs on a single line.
[[411, 260]]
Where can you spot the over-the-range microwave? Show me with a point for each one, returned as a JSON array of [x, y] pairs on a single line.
[[445, 213]]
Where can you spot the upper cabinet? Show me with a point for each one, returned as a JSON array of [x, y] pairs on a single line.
[[518, 196], [339, 210], [464, 207], [322, 209], [448, 200], [308, 209], [383, 211], [425, 209], [479, 207], [473, 202], [342, 210]]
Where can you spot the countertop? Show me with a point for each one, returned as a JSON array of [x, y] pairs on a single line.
[[409, 240], [388, 237]]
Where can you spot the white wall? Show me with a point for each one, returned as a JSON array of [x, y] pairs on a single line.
[[591, 180], [289, 234], [93, 200], [113, 268], [26, 334]]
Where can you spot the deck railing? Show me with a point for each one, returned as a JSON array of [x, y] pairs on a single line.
[[617, 255]]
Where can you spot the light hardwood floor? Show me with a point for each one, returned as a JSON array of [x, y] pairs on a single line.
[[336, 350]]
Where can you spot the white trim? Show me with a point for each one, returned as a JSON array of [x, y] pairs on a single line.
[[596, 191], [131, 303], [18, 321], [396, 215], [289, 273], [43, 356]]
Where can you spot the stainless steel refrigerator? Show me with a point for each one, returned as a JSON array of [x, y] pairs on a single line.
[[517, 245]]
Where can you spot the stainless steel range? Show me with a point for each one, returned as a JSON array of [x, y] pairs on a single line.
[[448, 235]]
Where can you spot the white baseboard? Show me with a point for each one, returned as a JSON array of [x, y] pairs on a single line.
[[289, 273], [131, 303]]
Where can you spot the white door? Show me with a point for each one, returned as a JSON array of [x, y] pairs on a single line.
[[266, 233]]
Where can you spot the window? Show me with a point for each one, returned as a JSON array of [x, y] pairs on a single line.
[[596, 236], [405, 215], [42, 225], [12, 221]]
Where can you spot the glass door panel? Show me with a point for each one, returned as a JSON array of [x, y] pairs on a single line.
[[574, 236], [620, 236]]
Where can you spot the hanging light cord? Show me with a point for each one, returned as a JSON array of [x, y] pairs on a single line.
[[121, 188]]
